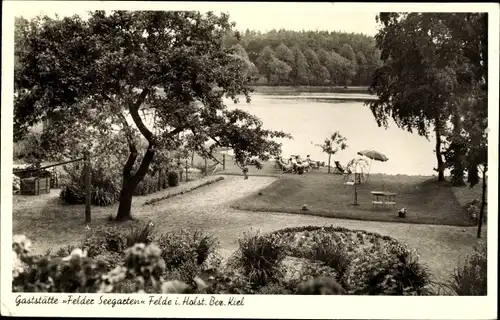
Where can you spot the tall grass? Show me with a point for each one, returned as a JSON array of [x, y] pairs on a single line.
[[261, 257], [471, 279]]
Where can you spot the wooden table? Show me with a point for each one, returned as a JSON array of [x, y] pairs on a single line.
[[383, 199]]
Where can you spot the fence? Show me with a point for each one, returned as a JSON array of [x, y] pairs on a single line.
[[35, 180], [206, 165]]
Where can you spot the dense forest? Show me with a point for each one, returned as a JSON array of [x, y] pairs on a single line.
[[306, 58]]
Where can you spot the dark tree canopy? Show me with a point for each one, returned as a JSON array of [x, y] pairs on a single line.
[[281, 42], [144, 74], [434, 77]]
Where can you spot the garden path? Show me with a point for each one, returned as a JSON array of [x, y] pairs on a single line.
[[441, 247]]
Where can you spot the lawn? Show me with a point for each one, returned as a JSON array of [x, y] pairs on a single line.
[[427, 201], [50, 223]]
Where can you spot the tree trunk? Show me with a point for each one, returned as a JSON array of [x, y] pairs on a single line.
[[126, 194], [439, 156], [130, 182], [329, 157], [483, 205], [458, 171]]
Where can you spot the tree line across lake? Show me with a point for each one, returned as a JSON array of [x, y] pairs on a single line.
[[307, 58]]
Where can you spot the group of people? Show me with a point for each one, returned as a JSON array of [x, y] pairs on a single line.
[[295, 164]]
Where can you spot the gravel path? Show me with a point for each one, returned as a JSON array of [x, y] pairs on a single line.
[[442, 248]]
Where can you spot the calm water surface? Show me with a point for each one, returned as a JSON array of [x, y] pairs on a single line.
[[310, 119]]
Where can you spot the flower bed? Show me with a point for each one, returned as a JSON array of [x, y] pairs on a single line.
[[305, 260], [362, 262]]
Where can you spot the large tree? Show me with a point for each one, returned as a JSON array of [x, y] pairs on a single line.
[[299, 74], [159, 76], [265, 62], [411, 87], [432, 64]]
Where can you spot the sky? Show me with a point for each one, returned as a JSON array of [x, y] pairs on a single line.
[[254, 16]]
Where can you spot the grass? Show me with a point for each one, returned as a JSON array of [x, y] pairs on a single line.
[[427, 201], [48, 222]]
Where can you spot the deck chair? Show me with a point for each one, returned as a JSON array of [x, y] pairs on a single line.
[[283, 167], [339, 169]]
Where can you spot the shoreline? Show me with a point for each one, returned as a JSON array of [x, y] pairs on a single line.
[[264, 89]]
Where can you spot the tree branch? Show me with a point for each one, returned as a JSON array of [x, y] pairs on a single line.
[[134, 112], [127, 169], [146, 161]]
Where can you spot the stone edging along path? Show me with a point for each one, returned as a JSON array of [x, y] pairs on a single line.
[[184, 188]]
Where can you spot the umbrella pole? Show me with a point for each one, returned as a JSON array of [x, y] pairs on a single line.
[[370, 169]]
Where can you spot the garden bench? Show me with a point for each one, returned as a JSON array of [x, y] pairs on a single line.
[[383, 199]]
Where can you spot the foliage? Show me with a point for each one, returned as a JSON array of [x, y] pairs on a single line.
[[173, 179], [434, 78], [342, 71], [368, 262], [169, 70], [104, 239], [260, 258], [332, 254], [142, 233], [186, 252], [174, 263], [471, 279], [299, 74], [104, 186], [29, 149], [332, 145], [72, 194], [75, 273]]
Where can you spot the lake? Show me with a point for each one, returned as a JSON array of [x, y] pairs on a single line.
[[310, 118]]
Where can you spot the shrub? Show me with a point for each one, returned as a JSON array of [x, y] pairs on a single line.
[[260, 258], [331, 253], [140, 234], [388, 269], [109, 259], [63, 251], [72, 194], [186, 252], [205, 245], [319, 286], [140, 272], [471, 278], [104, 183], [173, 178], [378, 264], [74, 273], [149, 184], [103, 240]]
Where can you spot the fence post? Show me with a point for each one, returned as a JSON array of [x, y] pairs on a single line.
[[223, 162], [206, 167], [186, 170], [87, 170]]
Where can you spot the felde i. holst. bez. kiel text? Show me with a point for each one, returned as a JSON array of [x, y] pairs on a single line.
[[151, 300]]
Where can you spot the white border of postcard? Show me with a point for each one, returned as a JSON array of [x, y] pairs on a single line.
[[255, 306]]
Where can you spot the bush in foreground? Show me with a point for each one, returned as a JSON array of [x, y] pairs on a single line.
[[306, 260], [472, 278], [260, 257], [364, 263]]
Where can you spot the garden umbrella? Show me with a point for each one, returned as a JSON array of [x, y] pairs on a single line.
[[373, 155]]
